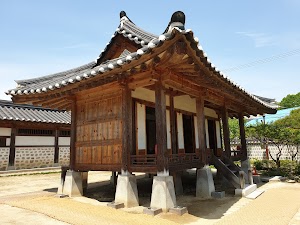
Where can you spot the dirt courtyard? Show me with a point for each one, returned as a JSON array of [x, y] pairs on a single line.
[[30, 199]]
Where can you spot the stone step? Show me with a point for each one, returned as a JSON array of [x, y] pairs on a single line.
[[246, 191]]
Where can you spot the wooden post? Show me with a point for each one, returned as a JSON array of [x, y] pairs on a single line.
[[56, 148], [226, 133], [73, 134], [243, 137], [161, 127], [201, 128], [127, 126], [173, 126], [12, 151]]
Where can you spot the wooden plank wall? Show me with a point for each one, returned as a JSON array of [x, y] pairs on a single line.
[[99, 130]]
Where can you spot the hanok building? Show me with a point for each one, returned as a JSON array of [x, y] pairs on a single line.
[[149, 104], [33, 137]]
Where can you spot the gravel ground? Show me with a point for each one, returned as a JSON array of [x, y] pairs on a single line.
[[29, 199]]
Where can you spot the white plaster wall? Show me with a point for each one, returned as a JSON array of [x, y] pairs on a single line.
[[210, 112], [144, 94], [141, 126], [196, 132], [5, 131], [34, 141], [206, 133], [218, 134], [147, 95], [64, 141], [7, 141], [180, 131], [185, 102], [168, 129]]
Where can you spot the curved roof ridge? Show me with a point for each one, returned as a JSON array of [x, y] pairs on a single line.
[[54, 75], [110, 65]]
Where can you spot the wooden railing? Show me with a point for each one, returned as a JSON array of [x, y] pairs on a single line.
[[235, 155], [143, 160], [180, 159], [150, 160]]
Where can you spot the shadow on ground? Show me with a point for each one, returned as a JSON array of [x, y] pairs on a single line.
[[202, 208]]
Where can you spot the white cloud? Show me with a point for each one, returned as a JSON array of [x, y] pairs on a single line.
[[284, 40], [260, 39]]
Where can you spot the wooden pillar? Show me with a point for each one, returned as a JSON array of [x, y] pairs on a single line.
[[127, 126], [173, 126], [56, 148], [243, 138], [12, 150], [73, 134], [226, 133], [161, 127], [201, 128]]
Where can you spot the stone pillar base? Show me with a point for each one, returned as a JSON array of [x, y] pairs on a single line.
[[72, 185], [205, 183], [126, 191], [178, 183], [245, 166], [113, 178], [84, 177], [163, 193]]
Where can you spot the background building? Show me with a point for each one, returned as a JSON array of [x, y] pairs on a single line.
[[33, 137]]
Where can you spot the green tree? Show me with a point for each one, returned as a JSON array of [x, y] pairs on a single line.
[[270, 133], [290, 101], [234, 129], [292, 123]]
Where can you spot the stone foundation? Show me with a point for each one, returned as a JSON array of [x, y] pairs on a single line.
[[205, 183], [64, 156], [163, 193], [126, 191], [34, 157], [4, 157]]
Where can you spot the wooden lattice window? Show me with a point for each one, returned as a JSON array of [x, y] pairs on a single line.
[[64, 133], [35, 132]]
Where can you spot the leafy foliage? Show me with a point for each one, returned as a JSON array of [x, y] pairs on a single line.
[[282, 133], [290, 101], [234, 128]]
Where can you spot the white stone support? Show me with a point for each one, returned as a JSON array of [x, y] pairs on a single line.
[[73, 184], [245, 191], [163, 193], [205, 183], [126, 191], [245, 166]]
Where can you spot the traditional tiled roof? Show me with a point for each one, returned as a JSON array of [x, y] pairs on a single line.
[[28, 113], [146, 41]]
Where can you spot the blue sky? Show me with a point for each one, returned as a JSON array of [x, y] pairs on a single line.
[[42, 37]]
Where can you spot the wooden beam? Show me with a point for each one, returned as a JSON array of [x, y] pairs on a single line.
[[12, 150], [201, 128], [127, 126], [226, 132], [161, 126], [73, 134], [183, 85], [56, 148], [173, 126], [243, 137]]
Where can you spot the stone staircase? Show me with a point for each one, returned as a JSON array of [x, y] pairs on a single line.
[[234, 175]]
